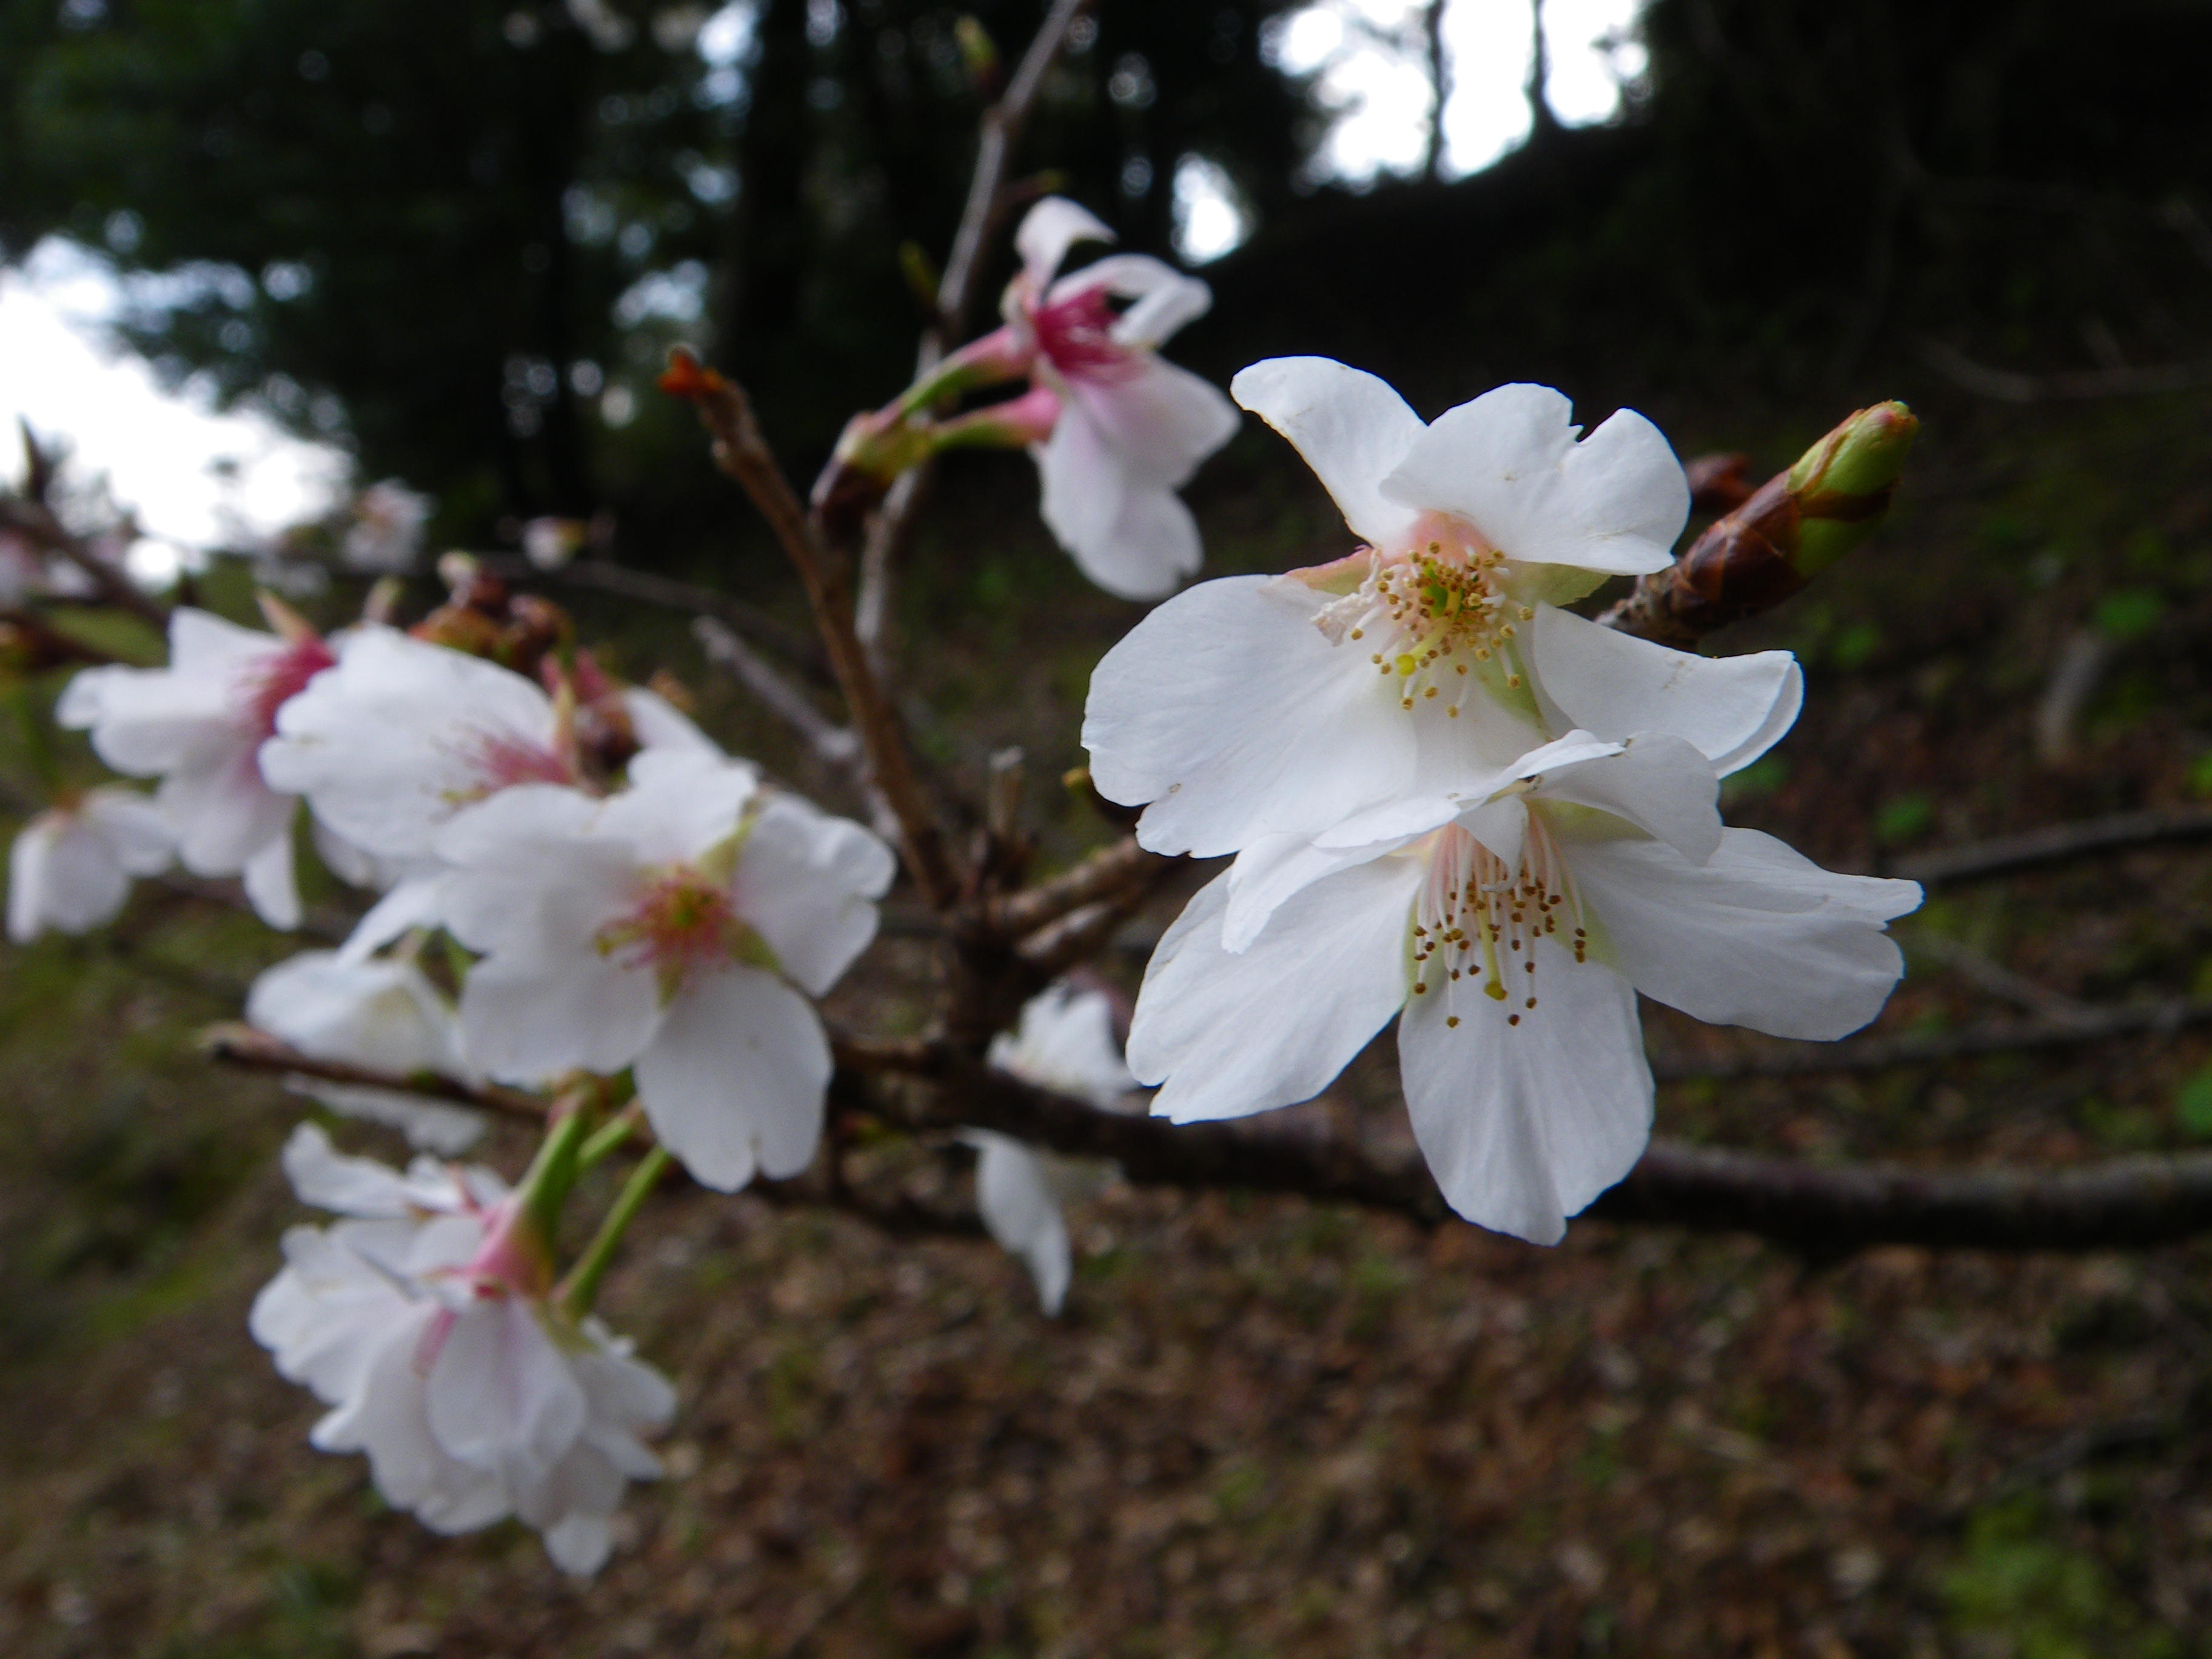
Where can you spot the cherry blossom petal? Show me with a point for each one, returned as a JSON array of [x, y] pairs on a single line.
[[658, 724], [401, 735], [806, 881], [734, 1082], [501, 1396], [63, 874], [1048, 230], [1065, 1041], [1352, 429], [1523, 1125], [1659, 783], [1159, 419], [416, 901], [680, 802], [380, 1014], [1757, 935], [1733, 708], [267, 878], [1230, 712], [133, 828], [1023, 1212], [1508, 462], [1232, 1034], [526, 1019], [219, 810]]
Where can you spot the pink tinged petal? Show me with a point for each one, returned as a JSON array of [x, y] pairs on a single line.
[[1524, 1124], [526, 1019], [1048, 230], [269, 884], [1084, 481], [1023, 1212], [735, 1081], [63, 874], [403, 734], [1733, 708], [1231, 713], [1507, 463], [501, 1396], [1232, 1034], [1159, 420], [1165, 298], [807, 883], [1659, 783], [1757, 936], [1352, 429]]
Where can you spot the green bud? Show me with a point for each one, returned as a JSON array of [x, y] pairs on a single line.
[[1842, 485]]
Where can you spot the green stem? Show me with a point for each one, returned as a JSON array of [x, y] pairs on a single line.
[[583, 1283], [546, 1184], [608, 1139]]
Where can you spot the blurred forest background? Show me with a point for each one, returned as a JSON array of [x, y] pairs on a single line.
[[460, 238]]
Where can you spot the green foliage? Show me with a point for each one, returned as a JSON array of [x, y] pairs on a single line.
[[2014, 1583], [2129, 613], [1904, 817], [2192, 1104]]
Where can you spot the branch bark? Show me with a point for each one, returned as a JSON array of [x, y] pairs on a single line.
[[36, 520], [2055, 844], [257, 1051]]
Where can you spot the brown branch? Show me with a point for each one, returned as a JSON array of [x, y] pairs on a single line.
[[743, 453], [2008, 1036], [2119, 1203], [834, 746], [36, 520], [257, 1051], [1003, 125], [1100, 875], [2055, 844]]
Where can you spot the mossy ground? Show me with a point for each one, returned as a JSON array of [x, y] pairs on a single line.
[[1263, 1427]]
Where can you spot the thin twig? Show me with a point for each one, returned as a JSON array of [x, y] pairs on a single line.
[[257, 1051], [1998, 980], [1003, 125], [37, 522], [1100, 875], [835, 746], [2010, 386], [743, 453], [2011, 1037], [2055, 844]]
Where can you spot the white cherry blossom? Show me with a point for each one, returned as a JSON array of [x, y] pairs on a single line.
[[382, 1014], [403, 734], [422, 1322], [1132, 428], [1513, 920], [671, 928], [71, 867], [1065, 1042], [1253, 705], [199, 725]]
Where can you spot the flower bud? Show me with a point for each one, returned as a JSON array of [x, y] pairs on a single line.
[[1794, 526]]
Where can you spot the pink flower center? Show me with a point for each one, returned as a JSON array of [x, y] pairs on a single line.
[[276, 678], [501, 761], [1076, 336], [681, 922]]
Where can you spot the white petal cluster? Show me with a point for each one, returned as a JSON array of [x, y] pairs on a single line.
[[199, 725], [678, 928], [1449, 799], [1065, 1041], [470, 1397], [1132, 428], [71, 867], [387, 534], [381, 1014]]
